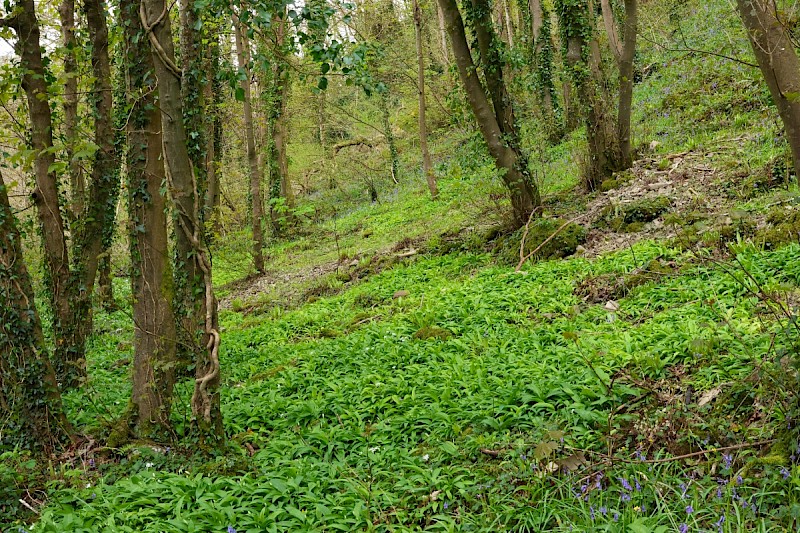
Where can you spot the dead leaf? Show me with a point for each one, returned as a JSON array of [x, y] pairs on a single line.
[[708, 396], [400, 294], [544, 449], [573, 462]]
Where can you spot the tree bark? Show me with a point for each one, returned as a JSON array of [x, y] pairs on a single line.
[[69, 363], [194, 260], [583, 58], [394, 159], [257, 205], [29, 397], [427, 169], [66, 12], [151, 279], [779, 64], [214, 91], [443, 36], [280, 132], [100, 213], [524, 194], [626, 81]]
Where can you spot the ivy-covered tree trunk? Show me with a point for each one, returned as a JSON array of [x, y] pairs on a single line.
[[100, 213], [68, 358], [194, 289], [213, 127], [256, 203], [512, 163], [777, 58], [33, 416], [582, 53], [151, 278], [427, 169], [66, 12], [544, 67]]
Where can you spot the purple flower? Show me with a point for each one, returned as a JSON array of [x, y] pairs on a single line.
[[719, 493], [683, 528], [591, 512], [625, 484], [727, 459], [684, 488], [640, 455], [603, 510], [625, 497], [231, 529], [689, 509], [743, 503], [785, 472], [739, 480], [638, 487], [616, 516], [719, 523], [445, 505]]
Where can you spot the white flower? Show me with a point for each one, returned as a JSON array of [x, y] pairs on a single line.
[[374, 449], [88, 485], [148, 465], [426, 457]]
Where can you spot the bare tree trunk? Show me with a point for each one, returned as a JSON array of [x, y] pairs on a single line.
[[29, 396], [68, 359], [151, 278], [611, 29], [524, 194], [243, 55], [66, 12], [777, 58], [427, 169], [280, 132], [394, 158], [443, 35], [193, 255]]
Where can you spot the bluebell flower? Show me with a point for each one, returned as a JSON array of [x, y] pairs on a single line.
[[625, 484], [231, 529], [727, 460], [689, 509], [603, 510], [616, 516], [683, 528], [739, 480], [785, 472]]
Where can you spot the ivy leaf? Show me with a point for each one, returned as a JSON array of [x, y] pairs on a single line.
[[323, 83], [240, 94]]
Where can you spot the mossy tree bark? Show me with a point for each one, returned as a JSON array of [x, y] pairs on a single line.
[[151, 278], [582, 54], [508, 158], [778, 61], [29, 396], [66, 12], [69, 361], [194, 289]]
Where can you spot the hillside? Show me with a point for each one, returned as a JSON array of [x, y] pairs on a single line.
[[626, 361]]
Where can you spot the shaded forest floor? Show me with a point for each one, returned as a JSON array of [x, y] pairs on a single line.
[[393, 371]]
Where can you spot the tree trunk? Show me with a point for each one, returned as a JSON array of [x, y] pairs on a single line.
[[524, 194], [623, 52], [544, 67], [29, 396], [583, 59], [214, 91], [100, 214], [243, 55], [394, 158], [66, 12], [443, 35], [151, 280], [777, 58], [280, 135], [193, 81], [69, 361], [194, 260], [427, 170]]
